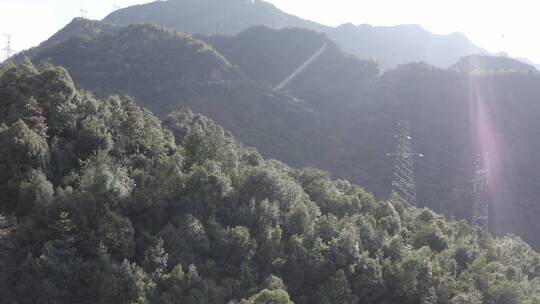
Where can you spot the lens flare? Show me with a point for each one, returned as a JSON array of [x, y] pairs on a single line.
[[489, 143], [301, 68]]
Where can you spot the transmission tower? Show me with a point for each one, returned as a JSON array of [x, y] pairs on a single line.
[[403, 185], [9, 51], [84, 13], [481, 197]]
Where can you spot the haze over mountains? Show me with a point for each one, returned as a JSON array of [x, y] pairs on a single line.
[[390, 46], [395, 45]]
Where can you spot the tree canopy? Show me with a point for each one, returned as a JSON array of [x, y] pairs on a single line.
[[101, 202]]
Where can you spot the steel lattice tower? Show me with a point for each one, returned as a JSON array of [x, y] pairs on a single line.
[[481, 197], [8, 49], [403, 183]]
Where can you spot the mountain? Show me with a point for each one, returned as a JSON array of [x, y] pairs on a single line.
[[395, 45], [125, 55], [209, 16], [478, 63], [390, 46], [101, 202]]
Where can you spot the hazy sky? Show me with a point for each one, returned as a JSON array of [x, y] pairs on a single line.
[[497, 25]]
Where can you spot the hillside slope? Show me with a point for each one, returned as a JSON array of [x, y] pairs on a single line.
[[101, 202], [126, 57], [304, 57], [454, 118]]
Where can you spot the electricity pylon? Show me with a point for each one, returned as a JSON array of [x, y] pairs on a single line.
[[481, 196], [403, 188], [9, 51]]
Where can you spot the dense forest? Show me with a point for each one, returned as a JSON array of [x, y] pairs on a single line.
[[102, 202], [338, 114]]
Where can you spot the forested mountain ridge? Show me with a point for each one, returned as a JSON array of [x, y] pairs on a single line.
[[103, 203]]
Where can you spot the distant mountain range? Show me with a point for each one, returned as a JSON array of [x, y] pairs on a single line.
[[390, 46]]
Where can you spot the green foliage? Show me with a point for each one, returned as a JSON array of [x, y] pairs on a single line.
[[35, 194], [21, 152], [269, 297], [337, 290], [114, 207]]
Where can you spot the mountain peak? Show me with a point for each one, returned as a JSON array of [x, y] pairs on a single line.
[[209, 16]]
